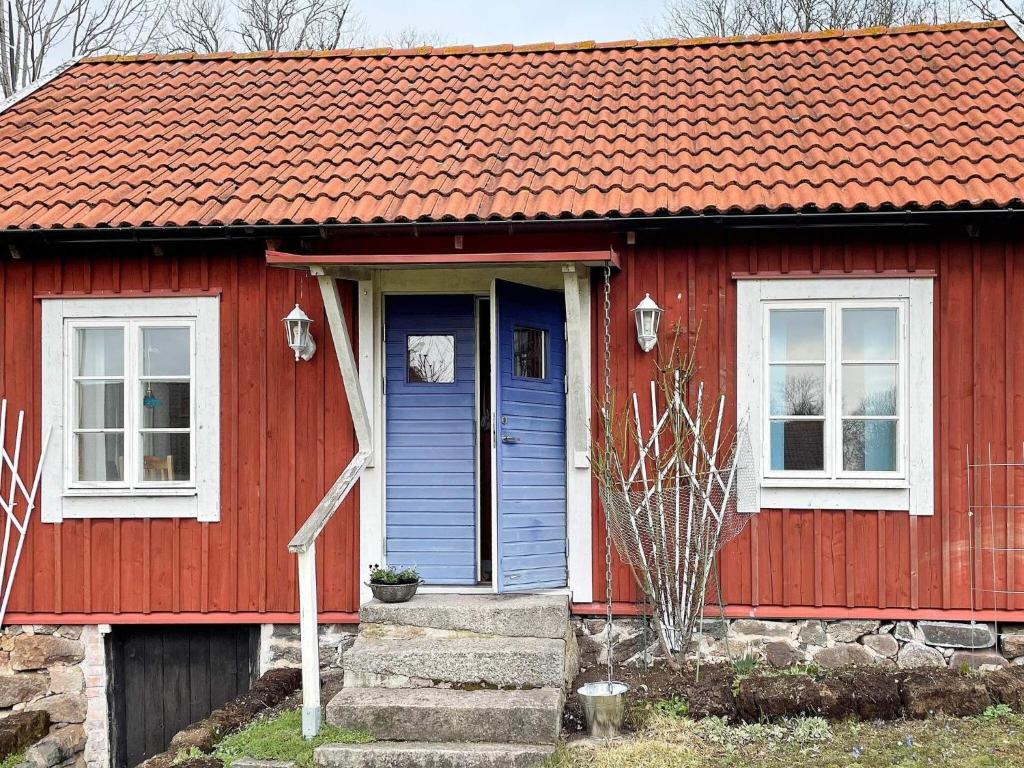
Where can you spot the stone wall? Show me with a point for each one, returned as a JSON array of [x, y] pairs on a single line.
[[280, 647], [826, 644], [46, 668]]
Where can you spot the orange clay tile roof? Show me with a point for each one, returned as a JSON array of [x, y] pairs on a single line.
[[916, 117]]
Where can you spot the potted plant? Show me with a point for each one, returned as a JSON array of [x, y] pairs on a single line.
[[393, 586]]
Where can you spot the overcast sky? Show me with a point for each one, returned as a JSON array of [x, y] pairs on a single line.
[[486, 22]]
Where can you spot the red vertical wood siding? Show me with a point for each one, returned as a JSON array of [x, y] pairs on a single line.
[[786, 561], [285, 434]]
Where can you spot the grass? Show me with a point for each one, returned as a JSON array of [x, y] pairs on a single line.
[[12, 760], [280, 738], [993, 740]]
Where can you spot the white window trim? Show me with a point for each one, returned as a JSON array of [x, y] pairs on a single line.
[[912, 488], [198, 498]]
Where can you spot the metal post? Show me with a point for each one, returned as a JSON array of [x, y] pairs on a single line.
[[310, 643]]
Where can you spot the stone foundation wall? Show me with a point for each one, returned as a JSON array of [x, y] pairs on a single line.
[[280, 647], [826, 644], [60, 670]]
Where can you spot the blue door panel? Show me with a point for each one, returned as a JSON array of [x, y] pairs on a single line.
[[530, 421], [431, 435]]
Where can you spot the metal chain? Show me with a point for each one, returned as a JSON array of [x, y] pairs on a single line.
[[607, 446]]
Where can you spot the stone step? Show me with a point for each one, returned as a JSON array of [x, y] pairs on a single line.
[[450, 715], [508, 615], [410, 657], [410, 754]]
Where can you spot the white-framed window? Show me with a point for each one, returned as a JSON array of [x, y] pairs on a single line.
[[835, 378], [131, 391]]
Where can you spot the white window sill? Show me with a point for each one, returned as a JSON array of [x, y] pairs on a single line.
[[129, 492], [134, 506], [833, 496], [839, 483]]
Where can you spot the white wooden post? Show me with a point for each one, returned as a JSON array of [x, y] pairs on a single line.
[[303, 543], [310, 643], [577, 364]]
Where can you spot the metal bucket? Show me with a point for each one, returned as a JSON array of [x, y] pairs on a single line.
[[604, 704]]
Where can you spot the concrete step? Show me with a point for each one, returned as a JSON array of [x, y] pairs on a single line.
[[508, 615], [410, 657], [410, 754], [449, 715]]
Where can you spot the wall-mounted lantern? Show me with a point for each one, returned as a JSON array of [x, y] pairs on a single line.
[[300, 340], [648, 316]]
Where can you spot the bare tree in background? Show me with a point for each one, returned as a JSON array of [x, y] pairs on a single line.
[[289, 25], [196, 26], [725, 18], [1007, 10], [33, 33], [408, 37]]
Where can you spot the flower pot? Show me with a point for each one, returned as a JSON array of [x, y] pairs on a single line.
[[394, 593]]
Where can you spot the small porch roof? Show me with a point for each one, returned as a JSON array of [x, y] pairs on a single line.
[[597, 257]]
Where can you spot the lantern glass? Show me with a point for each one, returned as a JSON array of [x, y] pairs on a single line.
[[648, 317], [296, 328]]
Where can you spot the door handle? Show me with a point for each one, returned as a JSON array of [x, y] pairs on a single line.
[[510, 439]]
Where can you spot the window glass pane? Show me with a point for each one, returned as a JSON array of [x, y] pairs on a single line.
[[797, 334], [165, 352], [797, 390], [166, 404], [165, 457], [869, 446], [797, 445], [869, 390], [431, 359], [100, 456], [869, 334], [100, 351], [529, 347], [100, 404]]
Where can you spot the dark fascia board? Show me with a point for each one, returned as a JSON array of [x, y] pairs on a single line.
[[747, 221]]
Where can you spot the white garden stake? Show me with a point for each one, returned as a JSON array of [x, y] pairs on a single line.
[[9, 502]]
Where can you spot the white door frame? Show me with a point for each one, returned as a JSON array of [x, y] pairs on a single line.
[[372, 287]]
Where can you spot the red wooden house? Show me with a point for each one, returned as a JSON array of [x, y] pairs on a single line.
[[837, 211]]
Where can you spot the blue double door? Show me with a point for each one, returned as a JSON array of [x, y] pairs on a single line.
[[457, 405]]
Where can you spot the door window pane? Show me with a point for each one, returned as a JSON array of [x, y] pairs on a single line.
[[100, 351], [165, 352], [529, 350], [869, 390], [870, 446], [797, 334], [797, 390], [166, 457], [100, 456], [430, 359], [870, 334], [798, 445], [100, 404], [166, 404]]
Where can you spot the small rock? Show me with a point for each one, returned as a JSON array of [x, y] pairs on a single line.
[[20, 729], [715, 628], [951, 634], [904, 631], [40, 651], [45, 629], [851, 630], [975, 660], [70, 631], [67, 679], [883, 645], [759, 628], [21, 688], [915, 654], [1012, 644], [811, 632], [62, 707], [780, 654], [842, 655], [61, 745]]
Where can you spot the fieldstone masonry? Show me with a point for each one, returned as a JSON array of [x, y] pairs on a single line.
[[827, 644], [279, 647], [59, 670]]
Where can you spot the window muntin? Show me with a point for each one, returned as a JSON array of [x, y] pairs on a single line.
[[529, 353], [131, 409], [430, 359], [834, 392]]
